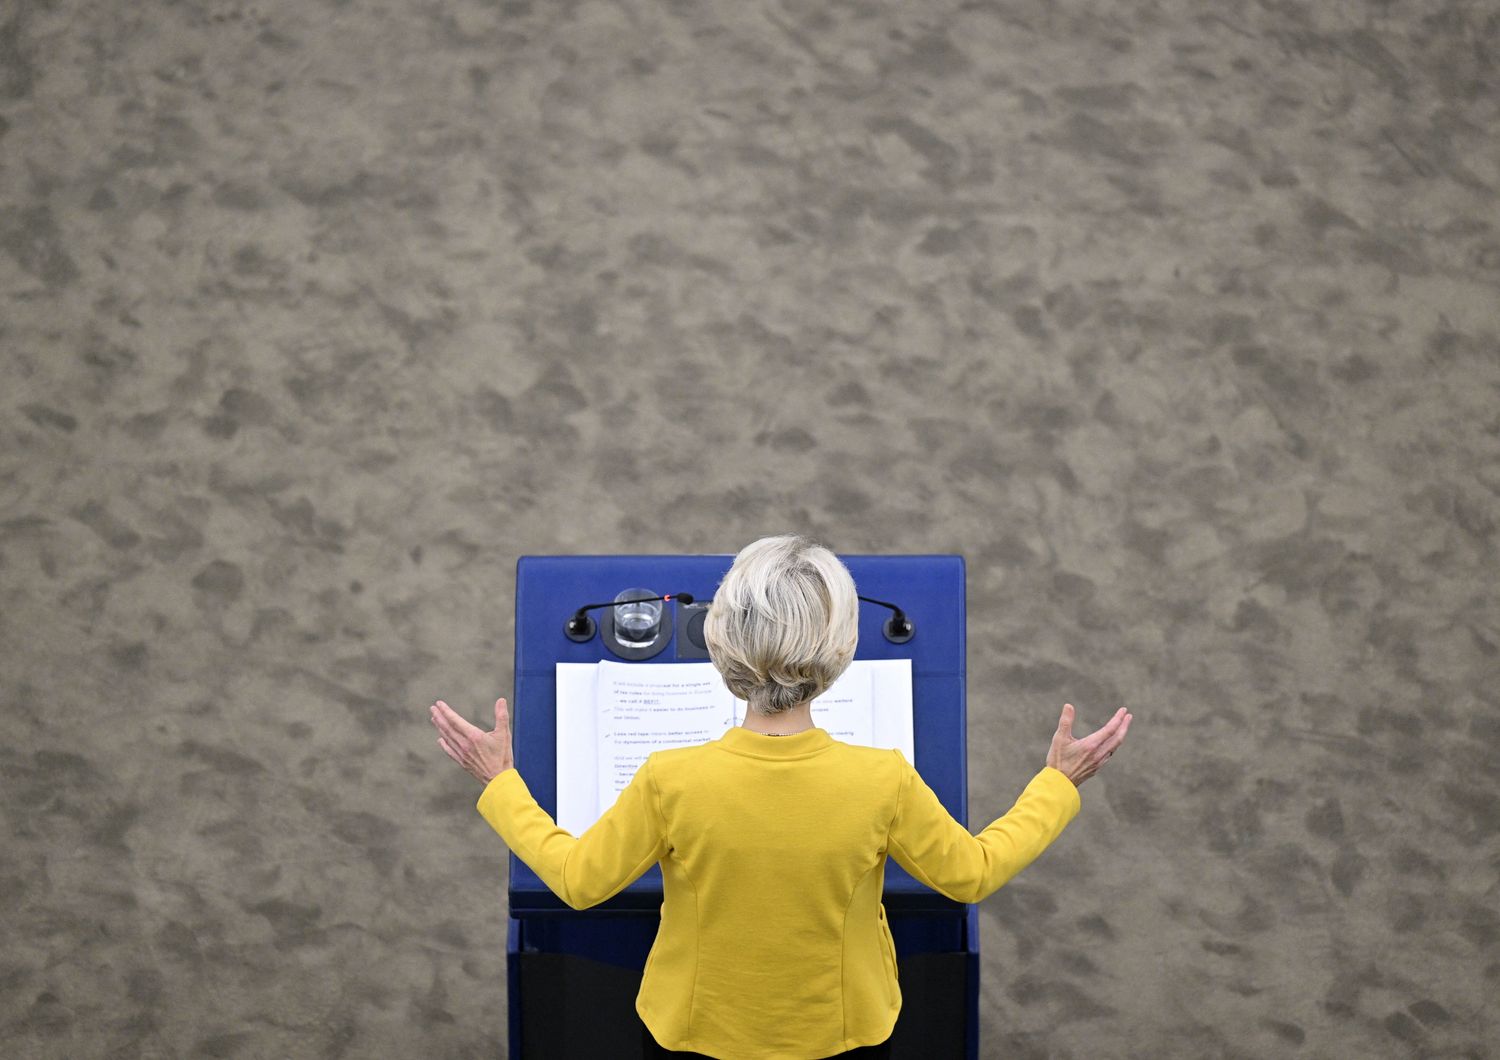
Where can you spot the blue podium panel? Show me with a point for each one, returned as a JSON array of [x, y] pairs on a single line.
[[930, 589]]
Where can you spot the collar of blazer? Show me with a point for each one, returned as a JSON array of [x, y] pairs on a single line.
[[741, 740]]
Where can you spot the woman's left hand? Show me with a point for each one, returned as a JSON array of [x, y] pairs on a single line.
[[485, 755]]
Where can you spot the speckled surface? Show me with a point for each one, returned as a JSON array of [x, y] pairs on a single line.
[[1178, 320]]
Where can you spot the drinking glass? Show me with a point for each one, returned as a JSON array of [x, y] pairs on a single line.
[[637, 617]]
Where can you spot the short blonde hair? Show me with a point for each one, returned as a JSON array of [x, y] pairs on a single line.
[[783, 624]]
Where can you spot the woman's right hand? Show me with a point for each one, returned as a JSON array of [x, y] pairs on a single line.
[[1081, 759]]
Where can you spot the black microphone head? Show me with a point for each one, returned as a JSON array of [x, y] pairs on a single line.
[[580, 627], [898, 629], [683, 598]]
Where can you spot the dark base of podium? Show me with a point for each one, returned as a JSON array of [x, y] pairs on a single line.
[[574, 1008]]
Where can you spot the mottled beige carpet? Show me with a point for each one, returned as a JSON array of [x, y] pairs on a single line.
[[1179, 321]]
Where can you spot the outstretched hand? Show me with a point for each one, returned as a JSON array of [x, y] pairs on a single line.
[[484, 755], [1081, 759]]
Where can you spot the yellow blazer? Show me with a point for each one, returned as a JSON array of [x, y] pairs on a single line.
[[773, 943]]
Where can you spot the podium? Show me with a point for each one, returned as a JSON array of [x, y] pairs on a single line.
[[574, 974]]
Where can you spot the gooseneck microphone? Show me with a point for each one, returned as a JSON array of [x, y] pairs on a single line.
[[581, 627], [898, 628]]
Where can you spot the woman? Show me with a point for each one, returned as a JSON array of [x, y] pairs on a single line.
[[773, 839]]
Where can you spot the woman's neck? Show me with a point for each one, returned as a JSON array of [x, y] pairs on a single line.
[[798, 719]]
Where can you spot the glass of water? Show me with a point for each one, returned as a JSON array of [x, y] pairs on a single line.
[[637, 617]]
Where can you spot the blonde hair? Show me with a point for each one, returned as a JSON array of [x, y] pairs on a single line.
[[783, 624]]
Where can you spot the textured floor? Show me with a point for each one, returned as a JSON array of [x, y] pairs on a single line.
[[1181, 321]]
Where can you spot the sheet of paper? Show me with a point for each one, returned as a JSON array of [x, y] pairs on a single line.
[[645, 708], [890, 680], [847, 709], [577, 746], [879, 689]]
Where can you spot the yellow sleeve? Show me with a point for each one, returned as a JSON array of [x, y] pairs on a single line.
[[582, 871], [927, 842]]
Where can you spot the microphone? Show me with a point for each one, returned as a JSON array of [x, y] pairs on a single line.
[[581, 627], [898, 628]]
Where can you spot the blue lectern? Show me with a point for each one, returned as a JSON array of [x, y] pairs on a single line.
[[573, 975]]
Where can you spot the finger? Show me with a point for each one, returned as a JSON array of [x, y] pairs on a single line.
[[459, 722], [1118, 738], [445, 725], [502, 716], [440, 719], [1105, 731], [1065, 723], [455, 719], [1105, 752], [449, 751]]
